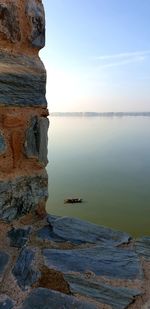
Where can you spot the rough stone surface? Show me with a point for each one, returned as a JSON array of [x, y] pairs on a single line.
[[51, 219], [105, 276], [43, 124], [45, 299], [2, 144], [9, 22], [23, 179], [23, 269], [142, 247], [36, 139], [19, 237], [22, 82], [5, 302], [77, 230], [35, 14], [22, 89], [21, 196], [101, 260], [116, 297], [46, 233], [4, 258]]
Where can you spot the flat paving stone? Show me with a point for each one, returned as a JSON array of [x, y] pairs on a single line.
[[73, 229], [46, 233], [4, 258], [47, 299], [23, 270], [116, 297], [103, 261], [52, 218], [142, 247]]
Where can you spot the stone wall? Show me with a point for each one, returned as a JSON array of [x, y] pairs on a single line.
[[23, 108]]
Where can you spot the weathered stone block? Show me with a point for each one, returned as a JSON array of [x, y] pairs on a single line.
[[46, 233], [46, 299], [2, 144], [23, 270], [22, 81], [51, 219], [142, 247], [22, 195], [77, 230], [18, 237], [36, 16], [22, 89], [36, 139], [9, 22], [43, 124], [4, 258], [102, 260], [32, 139], [116, 297]]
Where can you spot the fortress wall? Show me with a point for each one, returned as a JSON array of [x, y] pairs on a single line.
[[23, 109]]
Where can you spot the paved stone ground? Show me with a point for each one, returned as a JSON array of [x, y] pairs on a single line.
[[68, 263]]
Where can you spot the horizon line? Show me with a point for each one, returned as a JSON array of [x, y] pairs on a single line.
[[101, 111], [133, 113]]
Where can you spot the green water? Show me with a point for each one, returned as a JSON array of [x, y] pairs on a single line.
[[105, 161]]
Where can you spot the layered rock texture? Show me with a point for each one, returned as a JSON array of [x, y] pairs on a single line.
[[53, 263], [23, 109]]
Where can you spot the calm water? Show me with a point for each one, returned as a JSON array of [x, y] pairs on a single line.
[[105, 161]]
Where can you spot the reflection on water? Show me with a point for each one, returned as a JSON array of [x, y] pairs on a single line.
[[105, 161]]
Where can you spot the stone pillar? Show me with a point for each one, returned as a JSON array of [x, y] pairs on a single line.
[[23, 109]]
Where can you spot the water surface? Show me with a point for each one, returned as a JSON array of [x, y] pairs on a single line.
[[105, 161]]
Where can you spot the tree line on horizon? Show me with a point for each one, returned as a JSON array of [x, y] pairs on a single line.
[[95, 114]]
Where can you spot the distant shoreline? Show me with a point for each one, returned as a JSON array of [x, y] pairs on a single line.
[[96, 114]]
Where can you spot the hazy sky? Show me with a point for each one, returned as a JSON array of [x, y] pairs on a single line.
[[97, 55]]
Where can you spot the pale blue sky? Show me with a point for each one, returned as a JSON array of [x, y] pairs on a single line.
[[97, 55]]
